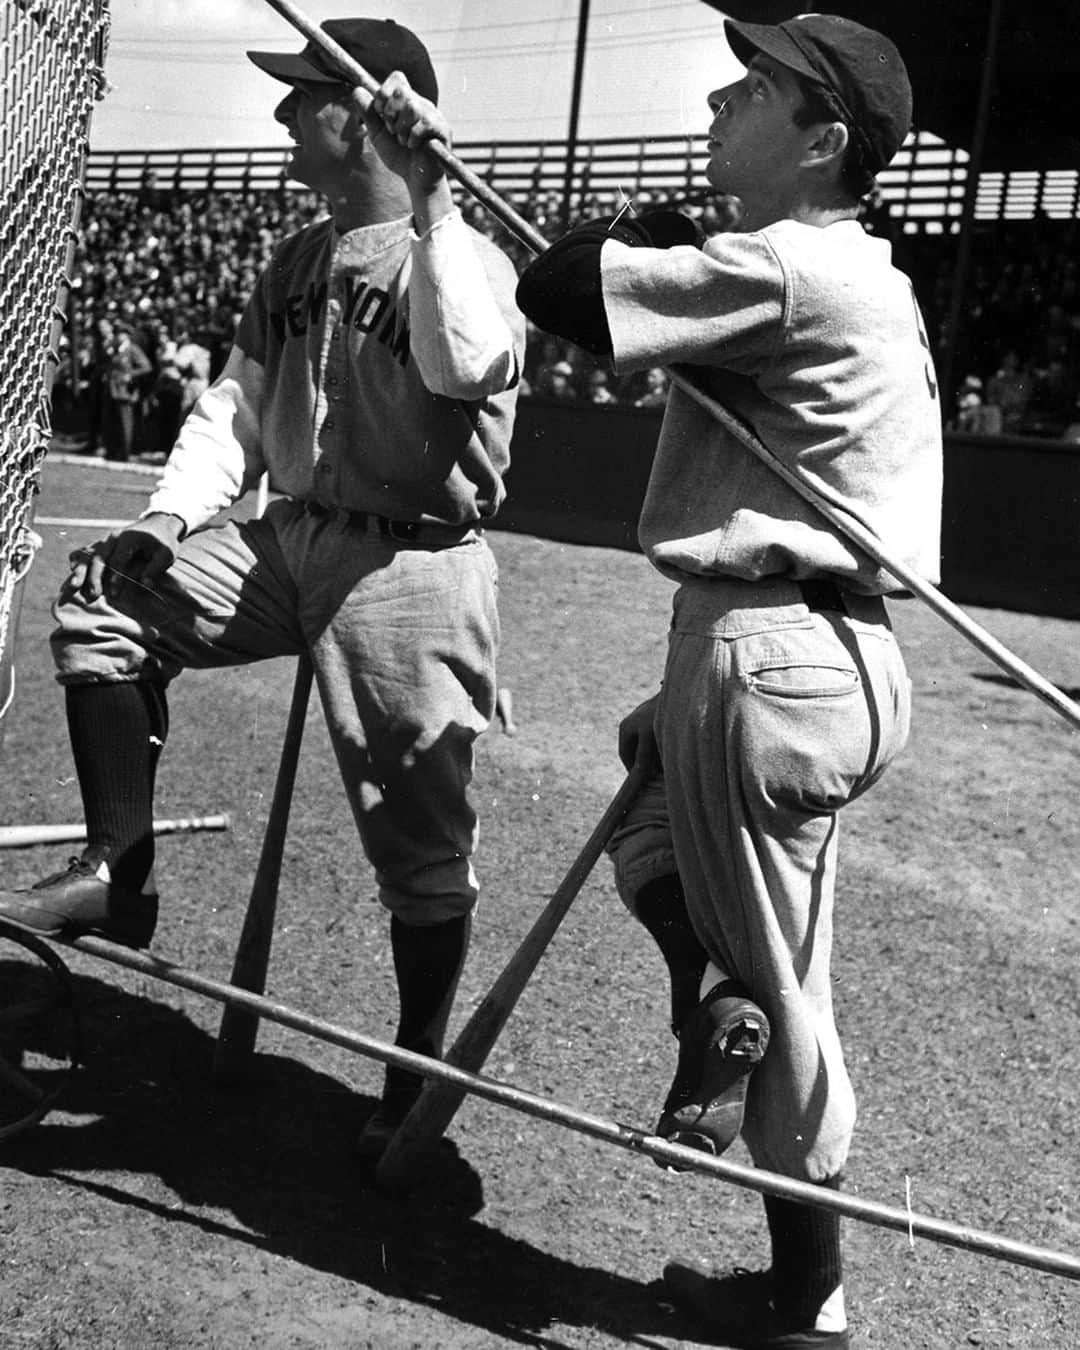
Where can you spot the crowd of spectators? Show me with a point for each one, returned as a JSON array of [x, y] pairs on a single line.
[[161, 278], [1017, 356]]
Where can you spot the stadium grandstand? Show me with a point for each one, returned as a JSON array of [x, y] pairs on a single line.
[[172, 241]]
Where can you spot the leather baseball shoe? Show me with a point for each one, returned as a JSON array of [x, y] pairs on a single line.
[[720, 1044], [374, 1139], [737, 1310], [83, 899]]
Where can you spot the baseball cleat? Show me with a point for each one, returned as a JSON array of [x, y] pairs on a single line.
[[374, 1139], [738, 1310], [83, 899], [720, 1044]]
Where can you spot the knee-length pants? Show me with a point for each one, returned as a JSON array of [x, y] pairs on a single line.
[[771, 717], [403, 639]]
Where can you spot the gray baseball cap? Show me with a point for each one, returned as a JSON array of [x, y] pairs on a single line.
[[861, 67]]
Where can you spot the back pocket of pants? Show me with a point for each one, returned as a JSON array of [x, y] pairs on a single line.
[[804, 681]]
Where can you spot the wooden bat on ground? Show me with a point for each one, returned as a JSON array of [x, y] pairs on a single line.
[[24, 836], [239, 1028], [439, 1100]]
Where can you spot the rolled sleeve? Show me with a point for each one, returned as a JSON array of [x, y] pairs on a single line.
[[723, 304]]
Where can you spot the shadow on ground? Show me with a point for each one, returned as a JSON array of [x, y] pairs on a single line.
[[276, 1156], [1072, 692]]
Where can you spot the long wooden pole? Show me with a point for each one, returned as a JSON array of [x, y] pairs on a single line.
[[904, 1220]]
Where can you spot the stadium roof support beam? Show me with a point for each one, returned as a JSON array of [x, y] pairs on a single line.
[[575, 110], [967, 216]]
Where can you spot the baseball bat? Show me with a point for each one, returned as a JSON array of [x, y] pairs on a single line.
[[23, 836], [1024, 674], [236, 1035], [439, 1100]]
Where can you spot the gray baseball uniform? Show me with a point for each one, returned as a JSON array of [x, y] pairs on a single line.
[[374, 378], [784, 694]]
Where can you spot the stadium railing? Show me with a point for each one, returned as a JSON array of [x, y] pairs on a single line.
[[924, 186]]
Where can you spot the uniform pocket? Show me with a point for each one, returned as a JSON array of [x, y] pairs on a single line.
[[806, 732], [802, 681]]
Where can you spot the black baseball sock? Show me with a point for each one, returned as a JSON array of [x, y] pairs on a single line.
[[117, 734], [427, 962], [806, 1260], [661, 908]]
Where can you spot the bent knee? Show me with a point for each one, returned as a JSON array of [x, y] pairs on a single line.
[[639, 858]]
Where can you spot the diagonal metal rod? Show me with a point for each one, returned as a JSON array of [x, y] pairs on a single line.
[[985, 642], [627, 1137]]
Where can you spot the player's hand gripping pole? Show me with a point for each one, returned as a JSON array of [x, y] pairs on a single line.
[[354, 73], [439, 1100]]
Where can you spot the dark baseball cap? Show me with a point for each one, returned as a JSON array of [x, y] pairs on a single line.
[[379, 45], [860, 67]]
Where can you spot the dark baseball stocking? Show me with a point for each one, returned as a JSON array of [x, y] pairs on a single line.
[[661, 907], [427, 963], [117, 734], [806, 1262]]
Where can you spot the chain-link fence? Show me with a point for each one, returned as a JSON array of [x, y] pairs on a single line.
[[52, 60]]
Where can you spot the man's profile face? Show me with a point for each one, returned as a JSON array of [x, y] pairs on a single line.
[[322, 125], [755, 147]]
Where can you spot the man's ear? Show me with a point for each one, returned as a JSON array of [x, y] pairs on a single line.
[[355, 130], [828, 144]]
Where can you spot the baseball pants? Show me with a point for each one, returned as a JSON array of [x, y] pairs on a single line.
[[771, 717], [403, 640]]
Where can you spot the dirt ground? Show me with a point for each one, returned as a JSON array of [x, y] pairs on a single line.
[[152, 1209]]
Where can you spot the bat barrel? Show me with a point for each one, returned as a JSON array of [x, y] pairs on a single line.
[[25, 836]]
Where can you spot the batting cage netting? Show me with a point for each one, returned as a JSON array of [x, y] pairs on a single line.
[[52, 59]]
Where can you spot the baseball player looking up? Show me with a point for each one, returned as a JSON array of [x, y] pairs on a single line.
[[373, 376], [784, 694]]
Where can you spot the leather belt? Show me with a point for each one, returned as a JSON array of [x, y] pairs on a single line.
[[402, 531]]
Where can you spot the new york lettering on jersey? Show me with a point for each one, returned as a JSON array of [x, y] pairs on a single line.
[[366, 308]]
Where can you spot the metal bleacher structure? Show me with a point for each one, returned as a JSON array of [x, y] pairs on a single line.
[[924, 186]]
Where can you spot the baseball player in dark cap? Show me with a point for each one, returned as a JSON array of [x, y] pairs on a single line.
[[373, 377], [784, 694]]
